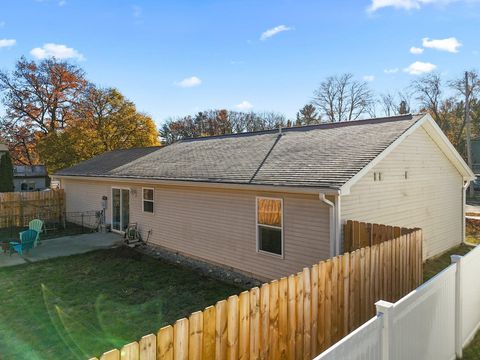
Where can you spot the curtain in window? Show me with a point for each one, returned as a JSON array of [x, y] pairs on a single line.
[[270, 212]]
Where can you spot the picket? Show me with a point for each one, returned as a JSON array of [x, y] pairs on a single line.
[[195, 339], [130, 352], [255, 323], [208, 346], [148, 347], [165, 343], [221, 325]]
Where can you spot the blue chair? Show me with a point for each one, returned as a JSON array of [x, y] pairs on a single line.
[[36, 225], [27, 242]]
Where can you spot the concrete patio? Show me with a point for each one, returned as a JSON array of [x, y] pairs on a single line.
[[63, 246]]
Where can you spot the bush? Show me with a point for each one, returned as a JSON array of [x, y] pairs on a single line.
[[6, 173]]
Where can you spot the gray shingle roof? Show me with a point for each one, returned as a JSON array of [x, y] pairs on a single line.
[[326, 155], [102, 164]]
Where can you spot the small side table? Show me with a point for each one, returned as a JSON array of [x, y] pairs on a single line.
[[5, 245]]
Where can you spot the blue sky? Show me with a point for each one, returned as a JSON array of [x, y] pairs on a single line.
[[178, 57]]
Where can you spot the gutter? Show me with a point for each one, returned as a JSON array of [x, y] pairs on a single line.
[[335, 222], [203, 184]]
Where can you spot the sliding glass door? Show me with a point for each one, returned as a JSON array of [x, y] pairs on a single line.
[[120, 209]]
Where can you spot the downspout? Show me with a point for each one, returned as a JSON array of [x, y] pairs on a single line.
[[333, 227], [464, 200]]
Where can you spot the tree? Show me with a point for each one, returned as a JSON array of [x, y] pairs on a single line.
[[395, 105], [308, 115], [103, 120], [38, 99], [6, 173], [219, 122], [341, 98], [429, 91]]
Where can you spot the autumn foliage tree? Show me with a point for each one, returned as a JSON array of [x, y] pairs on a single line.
[[102, 121], [39, 99], [56, 117], [219, 122]]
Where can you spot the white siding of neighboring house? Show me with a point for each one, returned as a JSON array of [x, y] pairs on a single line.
[[430, 198], [217, 225]]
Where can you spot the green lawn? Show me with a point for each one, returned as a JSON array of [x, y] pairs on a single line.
[[434, 266], [81, 306]]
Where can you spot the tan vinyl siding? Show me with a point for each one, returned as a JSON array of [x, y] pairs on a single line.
[[218, 225], [430, 198]]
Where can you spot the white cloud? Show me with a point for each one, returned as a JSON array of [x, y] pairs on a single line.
[[7, 42], [368, 78], [274, 31], [2, 24], [189, 82], [450, 44], [416, 50], [62, 2], [137, 11], [391, 71], [406, 4], [58, 51], [419, 67], [244, 105]]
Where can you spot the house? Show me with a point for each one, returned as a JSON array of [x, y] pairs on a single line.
[[30, 177], [25, 177], [272, 202]]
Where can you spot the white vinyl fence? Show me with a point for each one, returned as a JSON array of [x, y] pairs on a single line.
[[433, 322]]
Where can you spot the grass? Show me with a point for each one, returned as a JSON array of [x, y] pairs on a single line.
[[472, 351], [80, 306], [433, 266]]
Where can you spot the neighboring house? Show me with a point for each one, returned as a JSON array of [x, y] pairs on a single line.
[[30, 178], [3, 149], [27, 178], [476, 155], [270, 203]]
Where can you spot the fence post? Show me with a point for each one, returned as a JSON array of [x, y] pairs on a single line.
[[383, 308], [457, 259]]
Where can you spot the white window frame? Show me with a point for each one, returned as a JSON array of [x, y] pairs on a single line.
[[152, 201], [121, 206], [257, 225]]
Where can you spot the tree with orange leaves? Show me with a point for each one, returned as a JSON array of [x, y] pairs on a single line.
[[39, 99]]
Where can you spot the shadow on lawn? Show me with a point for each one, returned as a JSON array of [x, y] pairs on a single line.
[[80, 306]]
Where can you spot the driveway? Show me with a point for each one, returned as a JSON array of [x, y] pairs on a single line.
[[63, 246]]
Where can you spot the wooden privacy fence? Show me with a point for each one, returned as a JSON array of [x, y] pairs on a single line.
[[18, 208], [291, 318], [358, 234]]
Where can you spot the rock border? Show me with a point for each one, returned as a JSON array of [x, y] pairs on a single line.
[[214, 271]]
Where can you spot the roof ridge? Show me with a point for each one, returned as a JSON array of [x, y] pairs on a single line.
[[325, 125]]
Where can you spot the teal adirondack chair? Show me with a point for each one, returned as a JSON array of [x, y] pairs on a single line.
[[36, 225], [27, 239]]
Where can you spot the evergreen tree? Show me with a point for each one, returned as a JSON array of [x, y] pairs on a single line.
[[6, 173], [403, 108], [308, 115]]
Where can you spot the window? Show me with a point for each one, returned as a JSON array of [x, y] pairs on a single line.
[[147, 198], [270, 225], [27, 186]]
